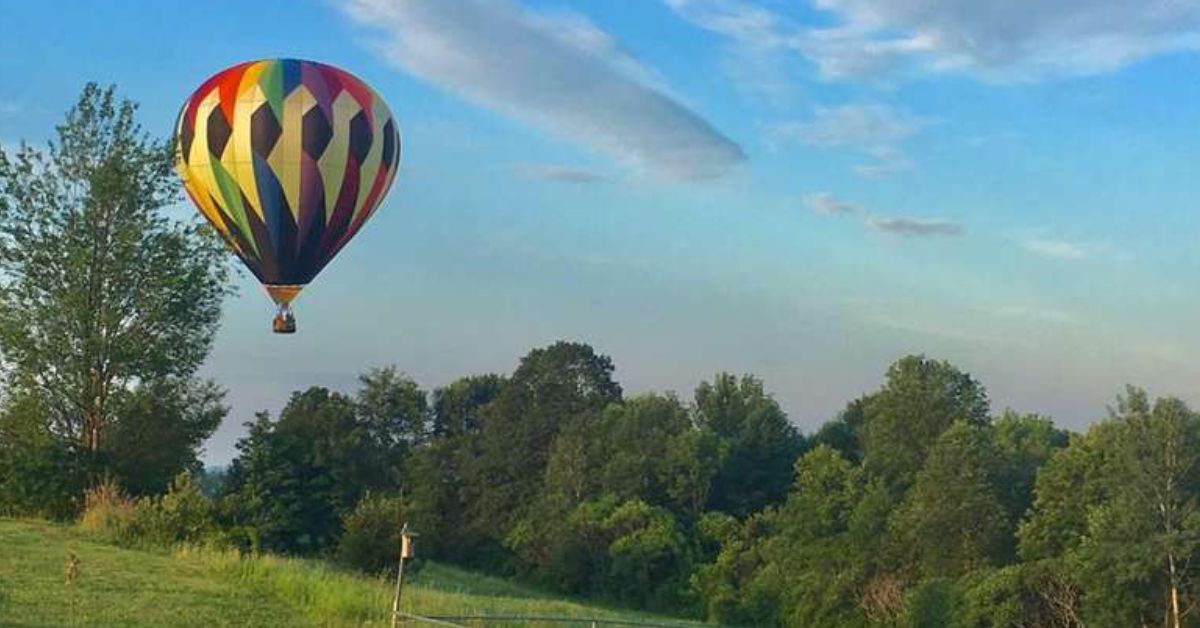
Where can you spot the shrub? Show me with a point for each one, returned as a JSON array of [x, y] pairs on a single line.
[[109, 513], [184, 514], [370, 540]]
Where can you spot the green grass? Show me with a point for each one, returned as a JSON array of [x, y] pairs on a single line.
[[205, 587]]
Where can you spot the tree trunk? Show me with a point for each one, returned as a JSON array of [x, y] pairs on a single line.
[[1174, 592]]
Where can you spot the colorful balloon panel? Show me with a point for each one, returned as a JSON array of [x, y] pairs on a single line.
[[286, 159]]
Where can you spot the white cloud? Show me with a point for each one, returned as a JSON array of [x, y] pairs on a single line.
[[872, 128], [9, 107], [1016, 39], [1057, 249], [556, 72], [1006, 41], [825, 203], [914, 227], [864, 125], [560, 173]]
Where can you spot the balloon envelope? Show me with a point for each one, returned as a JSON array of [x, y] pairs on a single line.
[[286, 159]]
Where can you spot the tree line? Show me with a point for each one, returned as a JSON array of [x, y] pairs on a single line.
[[918, 505]]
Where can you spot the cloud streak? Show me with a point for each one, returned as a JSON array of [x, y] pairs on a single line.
[[1056, 249], [558, 73], [914, 227], [824, 203]]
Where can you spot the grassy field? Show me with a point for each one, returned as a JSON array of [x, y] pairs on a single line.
[[200, 587]]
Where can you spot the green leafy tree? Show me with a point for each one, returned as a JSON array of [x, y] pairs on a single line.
[[730, 587], [394, 413], [759, 444], [954, 520], [162, 429], [394, 409], [648, 557], [562, 384], [1120, 507], [845, 432], [1145, 536], [635, 442], [1025, 443], [1067, 487], [693, 458], [1040, 593], [437, 475], [807, 563], [629, 552], [295, 478], [100, 292], [817, 562], [919, 401], [457, 407], [370, 540], [574, 468]]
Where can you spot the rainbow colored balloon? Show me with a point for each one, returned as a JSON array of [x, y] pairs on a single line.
[[287, 159]]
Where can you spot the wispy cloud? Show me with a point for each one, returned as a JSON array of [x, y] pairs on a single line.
[[1006, 41], [864, 125], [554, 71], [1057, 249], [914, 227], [874, 129], [560, 173], [9, 107], [1013, 40], [740, 20], [825, 203]]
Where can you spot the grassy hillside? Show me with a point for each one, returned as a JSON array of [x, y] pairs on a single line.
[[194, 587]]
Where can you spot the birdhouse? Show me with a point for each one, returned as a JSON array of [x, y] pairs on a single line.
[[406, 542]]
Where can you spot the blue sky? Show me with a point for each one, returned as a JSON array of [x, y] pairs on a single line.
[[804, 190]]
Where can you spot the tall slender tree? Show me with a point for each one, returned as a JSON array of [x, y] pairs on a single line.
[[100, 291]]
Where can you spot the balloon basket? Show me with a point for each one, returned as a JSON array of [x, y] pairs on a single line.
[[284, 322]]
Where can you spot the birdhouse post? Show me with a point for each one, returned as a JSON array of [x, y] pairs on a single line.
[[406, 552]]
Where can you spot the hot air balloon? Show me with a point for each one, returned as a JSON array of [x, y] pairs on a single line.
[[287, 159]]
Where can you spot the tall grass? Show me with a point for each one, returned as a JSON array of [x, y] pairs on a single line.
[[325, 594]]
